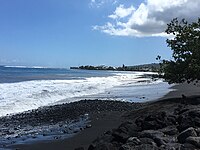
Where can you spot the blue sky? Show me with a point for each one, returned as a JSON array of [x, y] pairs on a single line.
[[63, 33]]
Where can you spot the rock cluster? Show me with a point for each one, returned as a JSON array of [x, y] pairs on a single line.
[[160, 130]]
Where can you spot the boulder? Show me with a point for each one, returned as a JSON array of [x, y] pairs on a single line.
[[125, 131], [155, 121], [194, 141], [151, 134], [198, 131], [187, 146], [120, 135], [139, 147], [186, 133], [133, 141], [157, 136], [189, 119], [170, 130]]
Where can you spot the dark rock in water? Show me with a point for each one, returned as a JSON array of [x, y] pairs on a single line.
[[186, 133], [194, 141], [79, 148]]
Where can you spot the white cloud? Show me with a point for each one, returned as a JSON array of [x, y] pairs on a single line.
[[150, 18], [99, 3], [122, 12]]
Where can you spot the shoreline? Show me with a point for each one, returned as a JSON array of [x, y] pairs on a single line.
[[103, 121], [53, 122]]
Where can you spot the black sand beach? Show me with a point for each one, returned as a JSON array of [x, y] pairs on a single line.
[[166, 114]]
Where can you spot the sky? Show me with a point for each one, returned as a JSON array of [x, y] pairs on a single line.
[[64, 33]]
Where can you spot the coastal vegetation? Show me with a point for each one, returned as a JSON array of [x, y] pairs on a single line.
[[154, 67], [185, 45]]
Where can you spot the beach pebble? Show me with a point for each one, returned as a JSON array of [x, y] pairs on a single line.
[[57, 137], [88, 126]]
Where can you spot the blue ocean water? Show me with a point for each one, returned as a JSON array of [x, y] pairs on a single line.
[[26, 88], [10, 74]]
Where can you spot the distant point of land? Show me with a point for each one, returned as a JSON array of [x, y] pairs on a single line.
[[154, 67]]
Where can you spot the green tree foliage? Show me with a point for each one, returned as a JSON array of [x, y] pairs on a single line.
[[185, 45]]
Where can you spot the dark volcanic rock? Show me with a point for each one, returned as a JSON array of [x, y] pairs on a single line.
[[185, 134], [194, 141], [176, 127], [147, 141], [134, 141], [79, 148], [125, 130], [187, 146], [157, 136], [103, 146], [155, 121], [189, 119], [138, 147], [170, 130]]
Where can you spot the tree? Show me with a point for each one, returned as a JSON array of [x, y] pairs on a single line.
[[185, 45]]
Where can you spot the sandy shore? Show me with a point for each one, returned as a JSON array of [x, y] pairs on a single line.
[[102, 121], [183, 89]]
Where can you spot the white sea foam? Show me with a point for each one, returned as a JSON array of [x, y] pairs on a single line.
[[23, 96]]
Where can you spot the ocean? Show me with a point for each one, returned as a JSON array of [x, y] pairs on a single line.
[[26, 88]]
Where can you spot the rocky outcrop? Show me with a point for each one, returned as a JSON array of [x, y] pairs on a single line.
[[162, 130]]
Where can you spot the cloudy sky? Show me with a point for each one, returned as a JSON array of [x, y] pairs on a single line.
[[63, 33]]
